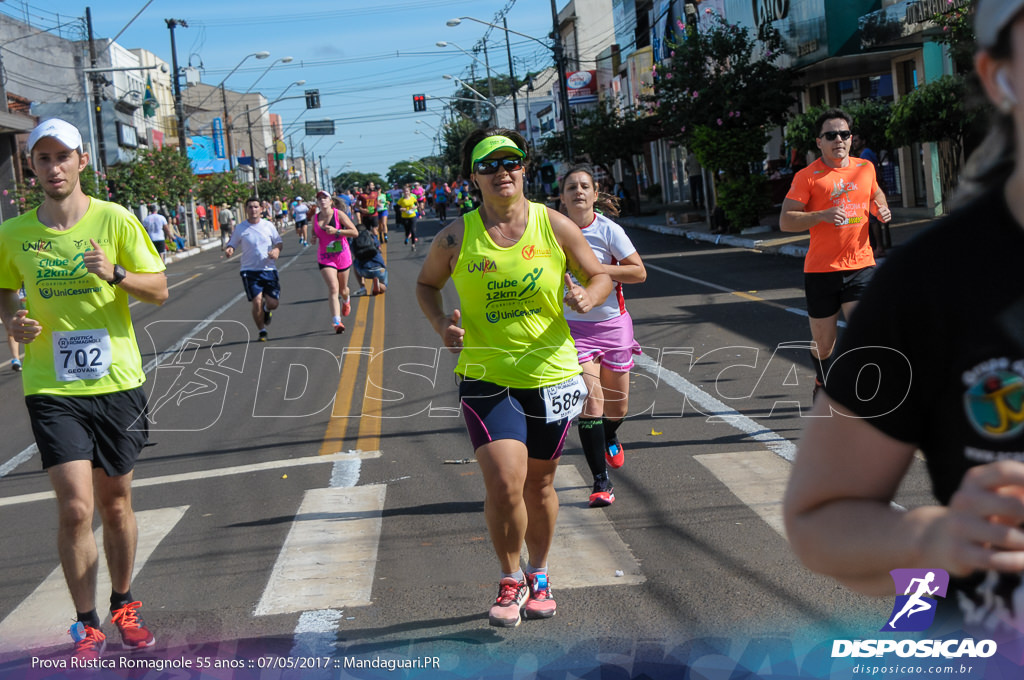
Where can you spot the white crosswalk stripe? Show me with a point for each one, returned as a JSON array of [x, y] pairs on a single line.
[[758, 478], [43, 618], [329, 557]]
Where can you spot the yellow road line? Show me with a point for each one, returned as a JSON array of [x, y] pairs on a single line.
[[370, 422], [338, 422]]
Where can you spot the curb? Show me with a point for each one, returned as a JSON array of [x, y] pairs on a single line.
[[731, 240]]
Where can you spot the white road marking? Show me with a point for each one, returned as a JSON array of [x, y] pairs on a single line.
[[708, 404], [757, 478], [43, 618], [586, 550], [208, 474], [329, 557]]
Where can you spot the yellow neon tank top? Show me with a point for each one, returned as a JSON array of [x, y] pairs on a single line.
[[511, 303]]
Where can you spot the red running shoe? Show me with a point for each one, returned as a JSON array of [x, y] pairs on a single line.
[[614, 455], [89, 642], [339, 328], [604, 494], [346, 308], [134, 634]]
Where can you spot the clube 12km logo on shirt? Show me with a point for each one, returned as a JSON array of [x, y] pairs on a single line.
[[913, 611]]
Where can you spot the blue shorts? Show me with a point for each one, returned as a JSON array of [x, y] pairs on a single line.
[[379, 273], [494, 412], [265, 281]]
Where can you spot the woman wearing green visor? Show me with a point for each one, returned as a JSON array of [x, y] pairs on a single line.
[[519, 380]]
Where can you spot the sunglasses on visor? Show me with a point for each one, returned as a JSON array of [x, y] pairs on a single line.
[[832, 134], [490, 167]]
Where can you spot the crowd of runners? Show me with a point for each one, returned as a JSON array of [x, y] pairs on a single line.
[[528, 372]]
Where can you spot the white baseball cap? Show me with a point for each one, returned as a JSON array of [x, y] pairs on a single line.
[[61, 130], [991, 17]]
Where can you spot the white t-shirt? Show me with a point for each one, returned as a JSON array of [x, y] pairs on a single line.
[[611, 245], [255, 241], [154, 224]]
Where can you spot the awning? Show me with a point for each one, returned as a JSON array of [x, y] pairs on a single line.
[[853, 65], [15, 122]]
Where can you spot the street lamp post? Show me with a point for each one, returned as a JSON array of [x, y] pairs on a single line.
[[559, 56], [494, 108], [485, 64]]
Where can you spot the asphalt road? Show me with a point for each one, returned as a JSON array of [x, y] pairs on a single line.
[[355, 438]]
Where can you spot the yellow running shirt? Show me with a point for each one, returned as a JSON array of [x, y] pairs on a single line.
[[511, 303], [87, 345]]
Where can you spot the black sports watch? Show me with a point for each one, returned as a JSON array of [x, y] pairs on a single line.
[[119, 274]]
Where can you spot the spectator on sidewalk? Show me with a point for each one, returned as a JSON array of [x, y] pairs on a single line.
[[832, 198], [156, 227], [226, 219], [695, 177]]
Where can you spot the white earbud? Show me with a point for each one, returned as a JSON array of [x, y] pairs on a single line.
[[1003, 81]]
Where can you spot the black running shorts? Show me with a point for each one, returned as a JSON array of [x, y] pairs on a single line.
[[826, 292], [107, 429], [494, 412]]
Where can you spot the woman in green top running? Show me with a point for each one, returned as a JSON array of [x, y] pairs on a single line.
[[520, 383]]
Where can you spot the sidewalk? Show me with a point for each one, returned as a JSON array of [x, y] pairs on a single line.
[[906, 222], [204, 245]]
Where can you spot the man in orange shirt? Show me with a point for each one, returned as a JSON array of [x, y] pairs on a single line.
[[832, 198]]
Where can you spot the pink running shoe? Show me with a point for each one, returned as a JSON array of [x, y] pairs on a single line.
[[512, 595], [346, 308], [541, 604]]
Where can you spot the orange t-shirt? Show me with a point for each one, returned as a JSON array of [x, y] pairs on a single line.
[[819, 187]]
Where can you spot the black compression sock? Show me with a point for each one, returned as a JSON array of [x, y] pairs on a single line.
[[118, 600], [592, 436], [89, 618]]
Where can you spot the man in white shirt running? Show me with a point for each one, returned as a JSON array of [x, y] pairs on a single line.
[[260, 245]]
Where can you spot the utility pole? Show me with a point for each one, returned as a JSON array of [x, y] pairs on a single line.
[[511, 76], [252, 155], [563, 85], [227, 128], [97, 97], [179, 110]]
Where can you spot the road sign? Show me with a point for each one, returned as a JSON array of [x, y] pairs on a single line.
[[319, 127]]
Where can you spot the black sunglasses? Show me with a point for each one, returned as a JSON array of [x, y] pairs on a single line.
[[832, 134], [491, 167]]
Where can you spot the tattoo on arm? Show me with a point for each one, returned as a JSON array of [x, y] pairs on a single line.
[[450, 242]]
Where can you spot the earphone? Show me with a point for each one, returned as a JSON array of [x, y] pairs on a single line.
[[1003, 81]]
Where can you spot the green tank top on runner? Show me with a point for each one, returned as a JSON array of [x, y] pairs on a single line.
[[511, 303]]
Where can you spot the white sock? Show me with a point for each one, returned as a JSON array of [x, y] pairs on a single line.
[[518, 575], [335, 320]]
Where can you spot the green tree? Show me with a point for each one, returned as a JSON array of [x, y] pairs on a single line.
[[406, 172], [349, 180], [451, 145], [221, 187], [606, 134], [716, 95], [155, 176], [934, 112]]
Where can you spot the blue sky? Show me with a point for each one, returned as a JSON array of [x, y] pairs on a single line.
[[367, 58]]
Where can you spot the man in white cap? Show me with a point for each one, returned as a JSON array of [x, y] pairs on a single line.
[[83, 377]]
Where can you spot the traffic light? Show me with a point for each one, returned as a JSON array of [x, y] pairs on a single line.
[[419, 102], [690, 10], [312, 99]]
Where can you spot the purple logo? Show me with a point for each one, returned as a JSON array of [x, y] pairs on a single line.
[[916, 593]]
